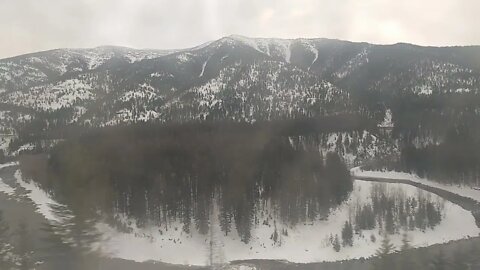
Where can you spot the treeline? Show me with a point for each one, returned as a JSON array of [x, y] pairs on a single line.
[[438, 136], [391, 211], [455, 160], [47, 126], [395, 211], [434, 115], [155, 173], [459, 255]]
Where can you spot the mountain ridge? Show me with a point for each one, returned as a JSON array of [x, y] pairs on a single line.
[[233, 78], [235, 36]]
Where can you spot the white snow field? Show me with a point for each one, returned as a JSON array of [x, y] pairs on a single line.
[[306, 242], [42, 200], [462, 190], [4, 188]]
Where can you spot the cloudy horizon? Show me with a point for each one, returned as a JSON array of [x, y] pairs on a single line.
[[36, 25]]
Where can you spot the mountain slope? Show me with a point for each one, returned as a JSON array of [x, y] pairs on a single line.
[[233, 78]]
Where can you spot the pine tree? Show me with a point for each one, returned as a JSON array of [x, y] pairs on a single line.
[[225, 221], [215, 249], [347, 234], [336, 244], [275, 236], [389, 222], [384, 261], [386, 246]]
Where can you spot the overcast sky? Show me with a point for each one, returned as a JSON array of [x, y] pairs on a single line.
[[33, 25]]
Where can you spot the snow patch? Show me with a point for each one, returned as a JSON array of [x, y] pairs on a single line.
[[306, 242], [462, 190], [4, 188], [387, 120], [39, 197], [313, 49], [203, 68]]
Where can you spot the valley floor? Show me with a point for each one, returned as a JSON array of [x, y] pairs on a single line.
[[18, 207], [23, 201], [471, 192], [465, 196]]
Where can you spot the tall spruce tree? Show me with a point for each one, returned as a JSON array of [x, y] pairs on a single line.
[[384, 261], [336, 244], [347, 234]]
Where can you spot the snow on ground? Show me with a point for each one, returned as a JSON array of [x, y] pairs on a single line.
[[143, 91], [150, 244], [139, 55], [9, 164], [313, 49], [78, 111], [423, 90], [387, 120], [368, 145], [40, 198], [4, 188], [462, 90], [53, 96], [5, 143], [306, 242], [24, 147], [203, 67], [354, 63], [282, 46], [97, 57], [242, 267], [184, 57], [462, 190]]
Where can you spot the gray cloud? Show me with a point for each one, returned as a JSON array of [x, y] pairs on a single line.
[[33, 25]]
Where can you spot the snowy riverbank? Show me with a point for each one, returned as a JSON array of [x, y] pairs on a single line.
[[305, 242], [465, 191]]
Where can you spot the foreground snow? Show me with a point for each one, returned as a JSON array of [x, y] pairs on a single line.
[[39, 197], [462, 190], [4, 188], [306, 242]]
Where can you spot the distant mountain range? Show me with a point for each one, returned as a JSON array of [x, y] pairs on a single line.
[[235, 78]]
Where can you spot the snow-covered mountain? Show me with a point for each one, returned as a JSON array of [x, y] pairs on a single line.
[[236, 77], [21, 72], [404, 102]]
